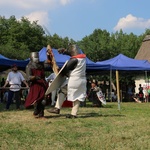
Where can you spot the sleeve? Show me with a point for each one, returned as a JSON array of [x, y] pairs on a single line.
[[72, 63], [29, 72], [21, 76], [8, 77]]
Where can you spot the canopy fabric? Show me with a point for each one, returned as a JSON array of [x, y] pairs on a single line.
[[5, 63], [122, 62], [61, 59]]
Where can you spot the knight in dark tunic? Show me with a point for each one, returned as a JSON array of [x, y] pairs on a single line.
[[38, 85]]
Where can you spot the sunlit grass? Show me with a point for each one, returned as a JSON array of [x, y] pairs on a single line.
[[104, 128]]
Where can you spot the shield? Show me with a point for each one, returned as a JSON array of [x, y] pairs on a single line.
[[57, 82], [101, 97]]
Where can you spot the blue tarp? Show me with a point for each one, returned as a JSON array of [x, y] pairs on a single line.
[[61, 59], [6, 62], [122, 62]]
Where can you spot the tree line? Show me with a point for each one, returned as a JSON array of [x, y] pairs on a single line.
[[18, 38]]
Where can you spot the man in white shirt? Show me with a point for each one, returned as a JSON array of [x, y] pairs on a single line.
[[14, 79]]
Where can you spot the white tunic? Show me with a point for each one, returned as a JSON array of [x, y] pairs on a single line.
[[77, 82]]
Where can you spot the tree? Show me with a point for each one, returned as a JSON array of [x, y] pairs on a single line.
[[20, 37]]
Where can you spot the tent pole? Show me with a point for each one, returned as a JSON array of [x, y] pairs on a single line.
[[118, 90], [110, 85]]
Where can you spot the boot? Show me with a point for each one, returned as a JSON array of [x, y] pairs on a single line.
[[71, 116], [41, 114], [54, 110], [36, 111]]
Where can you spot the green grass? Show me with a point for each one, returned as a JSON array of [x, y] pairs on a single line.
[[104, 128]]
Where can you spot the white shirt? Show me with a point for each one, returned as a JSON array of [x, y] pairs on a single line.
[[50, 78], [15, 79]]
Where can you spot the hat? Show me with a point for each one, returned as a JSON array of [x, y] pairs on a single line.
[[14, 65]]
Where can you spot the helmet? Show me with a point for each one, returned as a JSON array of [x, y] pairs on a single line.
[[34, 57], [73, 50]]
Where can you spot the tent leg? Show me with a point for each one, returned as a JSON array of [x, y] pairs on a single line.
[[118, 90]]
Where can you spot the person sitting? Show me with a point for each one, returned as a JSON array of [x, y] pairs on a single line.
[[136, 98], [92, 95]]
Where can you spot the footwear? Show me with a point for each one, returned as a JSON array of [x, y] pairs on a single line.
[[54, 110], [35, 113], [40, 117], [71, 116]]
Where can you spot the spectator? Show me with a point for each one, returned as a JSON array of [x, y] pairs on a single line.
[[2, 91], [93, 96], [141, 94], [14, 79], [49, 79], [130, 92], [5, 97]]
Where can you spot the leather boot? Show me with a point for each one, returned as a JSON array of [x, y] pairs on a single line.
[[54, 110], [71, 116]]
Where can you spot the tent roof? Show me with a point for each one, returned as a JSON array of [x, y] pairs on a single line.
[[61, 59], [122, 62], [5, 63]]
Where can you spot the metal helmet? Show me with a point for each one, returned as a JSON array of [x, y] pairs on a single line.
[[73, 50], [34, 57]]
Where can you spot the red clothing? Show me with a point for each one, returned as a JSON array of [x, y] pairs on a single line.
[[37, 88]]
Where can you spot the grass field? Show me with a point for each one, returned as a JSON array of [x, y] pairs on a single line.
[[104, 128]]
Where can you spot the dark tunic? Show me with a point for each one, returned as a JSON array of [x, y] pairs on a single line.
[[37, 88]]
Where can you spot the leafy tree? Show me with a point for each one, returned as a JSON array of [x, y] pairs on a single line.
[[19, 37], [58, 42], [22, 37]]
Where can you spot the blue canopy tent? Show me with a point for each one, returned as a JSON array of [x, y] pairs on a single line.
[[61, 59], [5, 63], [122, 62]]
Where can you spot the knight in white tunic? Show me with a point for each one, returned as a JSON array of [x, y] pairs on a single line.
[[75, 70]]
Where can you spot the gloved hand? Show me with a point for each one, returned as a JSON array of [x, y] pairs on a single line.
[[37, 77], [61, 50]]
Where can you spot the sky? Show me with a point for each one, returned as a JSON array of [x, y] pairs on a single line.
[[76, 19]]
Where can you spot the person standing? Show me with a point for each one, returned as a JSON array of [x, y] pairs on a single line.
[[49, 79], [14, 79], [75, 70], [38, 85], [141, 94], [2, 91]]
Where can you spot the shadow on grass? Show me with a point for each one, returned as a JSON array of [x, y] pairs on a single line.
[[85, 115]]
